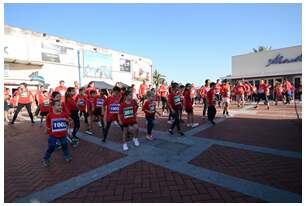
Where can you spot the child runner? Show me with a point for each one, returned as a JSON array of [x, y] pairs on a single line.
[[211, 95], [188, 105], [262, 93], [99, 107], [278, 92], [163, 95], [149, 109], [181, 93], [112, 106], [90, 110], [24, 99], [73, 111], [61, 89], [239, 91], [56, 123], [218, 92], [127, 118], [43, 103], [254, 92], [81, 100], [204, 94], [175, 105], [226, 96]]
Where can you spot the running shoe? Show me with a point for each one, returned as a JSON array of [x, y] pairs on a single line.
[[88, 132], [195, 125], [136, 142], [125, 147], [170, 131], [68, 158], [45, 163]]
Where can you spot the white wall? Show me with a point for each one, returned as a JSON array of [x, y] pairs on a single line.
[[255, 63]]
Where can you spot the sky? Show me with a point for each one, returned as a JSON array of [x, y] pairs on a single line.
[[186, 42]]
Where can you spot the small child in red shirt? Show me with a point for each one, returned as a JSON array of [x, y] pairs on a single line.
[[44, 102], [100, 106], [57, 126], [81, 100], [188, 105], [149, 109], [211, 95], [90, 110], [278, 92], [175, 106], [128, 118]]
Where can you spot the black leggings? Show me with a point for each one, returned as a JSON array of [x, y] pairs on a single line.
[[205, 101], [37, 110], [106, 129], [19, 107], [211, 113], [164, 102], [150, 125], [262, 96], [76, 121], [176, 117]]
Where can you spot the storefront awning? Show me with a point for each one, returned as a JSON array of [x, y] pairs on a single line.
[[19, 61], [261, 75]]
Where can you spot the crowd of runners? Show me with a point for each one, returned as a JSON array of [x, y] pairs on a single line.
[[62, 110]]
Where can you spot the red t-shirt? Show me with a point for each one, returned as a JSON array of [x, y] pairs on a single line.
[[150, 106], [143, 89], [90, 103], [100, 101], [188, 101], [57, 125], [218, 88], [127, 112], [113, 106], [44, 103], [89, 89], [62, 91], [287, 86], [211, 96], [225, 90], [71, 105], [263, 88], [24, 97], [175, 101], [81, 102], [163, 90], [239, 90], [6, 93], [278, 91]]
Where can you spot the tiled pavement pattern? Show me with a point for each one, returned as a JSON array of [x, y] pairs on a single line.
[[172, 155], [281, 172], [146, 182], [23, 153]]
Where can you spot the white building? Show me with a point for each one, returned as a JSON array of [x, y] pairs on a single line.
[[273, 65], [39, 58]]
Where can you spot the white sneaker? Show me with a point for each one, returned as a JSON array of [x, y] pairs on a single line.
[[99, 123], [82, 118], [136, 142], [88, 132], [125, 147], [195, 125], [189, 125], [169, 121]]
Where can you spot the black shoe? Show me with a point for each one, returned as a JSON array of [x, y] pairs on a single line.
[[181, 133], [102, 140], [11, 123], [170, 131]]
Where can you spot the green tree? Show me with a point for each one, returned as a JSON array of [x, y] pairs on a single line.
[[261, 49], [158, 78]]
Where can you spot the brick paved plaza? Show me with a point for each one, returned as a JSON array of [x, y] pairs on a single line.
[[253, 156]]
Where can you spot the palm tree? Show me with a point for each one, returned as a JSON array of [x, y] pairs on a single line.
[[261, 49], [158, 78]]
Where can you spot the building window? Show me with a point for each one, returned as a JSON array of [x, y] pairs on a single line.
[[125, 65], [6, 70]]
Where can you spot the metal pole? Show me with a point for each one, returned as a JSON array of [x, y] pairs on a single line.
[[79, 67]]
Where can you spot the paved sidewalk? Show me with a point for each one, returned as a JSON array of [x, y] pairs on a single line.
[[250, 157]]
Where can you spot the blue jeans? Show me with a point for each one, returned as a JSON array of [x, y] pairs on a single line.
[[52, 144]]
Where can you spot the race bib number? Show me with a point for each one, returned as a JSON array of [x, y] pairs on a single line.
[[46, 103], [260, 91], [177, 100], [24, 94], [59, 125], [62, 92], [128, 112], [81, 102], [152, 108], [100, 102], [114, 108]]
